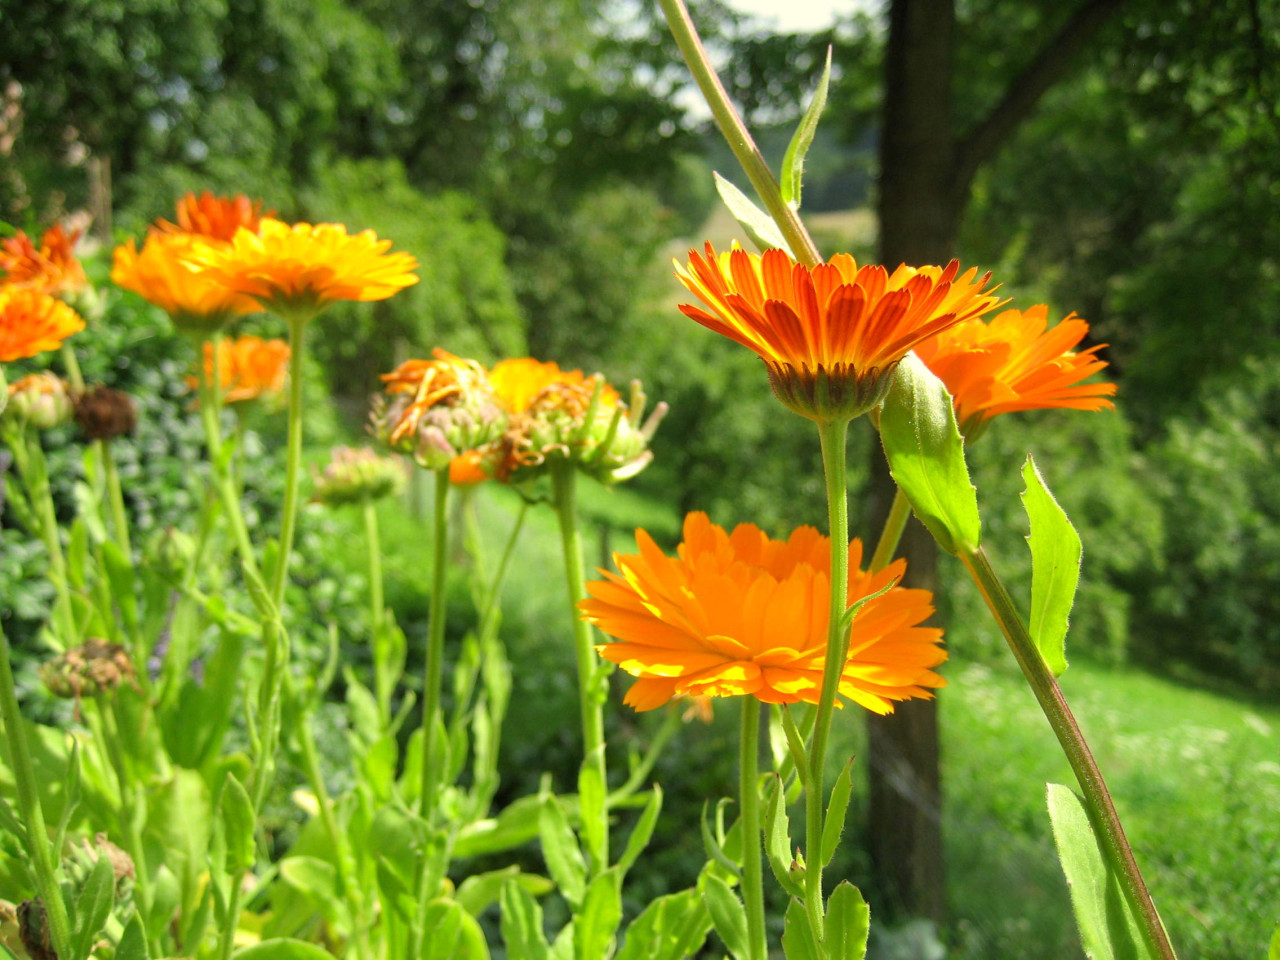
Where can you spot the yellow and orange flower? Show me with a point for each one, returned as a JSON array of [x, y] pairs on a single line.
[[51, 268], [300, 269], [741, 614], [830, 336], [162, 273], [468, 469], [249, 368], [32, 322], [217, 218], [1016, 362], [517, 382]]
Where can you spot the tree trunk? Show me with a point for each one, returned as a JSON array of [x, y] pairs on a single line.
[[918, 216]]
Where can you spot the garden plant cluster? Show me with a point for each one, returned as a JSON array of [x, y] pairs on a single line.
[[138, 832]]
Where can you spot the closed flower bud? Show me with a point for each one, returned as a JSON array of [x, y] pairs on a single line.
[[103, 413], [358, 476], [94, 667], [173, 552], [40, 400]]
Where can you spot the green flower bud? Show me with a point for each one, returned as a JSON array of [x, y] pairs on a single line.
[[40, 400], [358, 476]]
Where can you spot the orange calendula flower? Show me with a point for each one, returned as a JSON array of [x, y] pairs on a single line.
[[467, 469], [248, 368], [162, 273], [32, 322], [1016, 362], [830, 336], [741, 614], [300, 269], [51, 268], [217, 218]]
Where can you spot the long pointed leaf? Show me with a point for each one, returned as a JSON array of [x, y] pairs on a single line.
[[1055, 568]]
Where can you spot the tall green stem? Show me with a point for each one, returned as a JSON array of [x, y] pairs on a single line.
[[35, 474], [891, 533], [434, 666], [833, 435], [293, 461], [736, 134], [24, 777], [210, 407], [377, 606], [752, 839], [563, 476], [1106, 822], [115, 493]]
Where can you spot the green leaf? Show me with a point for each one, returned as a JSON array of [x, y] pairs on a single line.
[[1274, 952], [515, 826], [123, 579], [92, 907], [133, 942], [238, 820], [561, 852], [596, 925], [1055, 568], [1107, 927], [728, 915], [282, 949], [642, 831], [591, 805], [793, 162], [522, 924], [479, 890], [777, 839], [314, 878], [764, 233], [844, 932], [712, 845], [797, 936], [672, 927], [441, 930], [926, 456], [258, 593], [837, 808]]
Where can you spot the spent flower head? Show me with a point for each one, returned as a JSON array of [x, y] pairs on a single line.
[[357, 476], [831, 335], [439, 409], [102, 413], [562, 415], [95, 666], [39, 400]]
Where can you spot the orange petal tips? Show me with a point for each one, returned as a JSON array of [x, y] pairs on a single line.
[[737, 614], [1016, 362], [32, 322], [830, 335]]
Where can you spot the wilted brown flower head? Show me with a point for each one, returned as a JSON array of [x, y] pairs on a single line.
[[103, 413], [96, 666]]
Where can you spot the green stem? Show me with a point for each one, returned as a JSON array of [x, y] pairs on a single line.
[[377, 606], [563, 476], [891, 533], [752, 839], [670, 724], [35, 472], [293, 462], [129, 825], [210, 407], [736, 134], [493, 602], [833, 435], [1102, 812], [115, 493], [24, 778], [69, 360], [434, 665]]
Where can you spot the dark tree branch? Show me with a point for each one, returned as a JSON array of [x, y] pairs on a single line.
[[1053, 62]]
